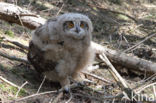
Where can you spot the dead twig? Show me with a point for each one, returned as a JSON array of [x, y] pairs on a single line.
[[34, 95], [41, 85], [8, 82], [33, 15], [113, 71], [97, 77], [148, 37], [74, 85], [15, 43], [116, 75], [140, 89], [22, 23], [127, 91], [13, 58], [60, 9], [19, 89]]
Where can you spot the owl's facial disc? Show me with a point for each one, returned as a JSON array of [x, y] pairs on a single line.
[[76, 30]]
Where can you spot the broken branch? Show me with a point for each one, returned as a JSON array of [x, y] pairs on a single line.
[[13, 58]]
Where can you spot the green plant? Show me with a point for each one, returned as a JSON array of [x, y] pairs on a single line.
[[9, 33]]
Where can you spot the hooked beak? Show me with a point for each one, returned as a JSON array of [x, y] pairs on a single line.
[[77, 29]]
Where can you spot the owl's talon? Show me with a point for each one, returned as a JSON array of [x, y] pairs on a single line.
[[66, 89]]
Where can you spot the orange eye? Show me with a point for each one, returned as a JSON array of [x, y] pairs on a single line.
[[82, 25], [70, 25]]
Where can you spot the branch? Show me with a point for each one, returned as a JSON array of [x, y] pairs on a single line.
[[15, 43], [124, 60], [13, 58], [11, 13], [97, 77], [74, 85], [148, 37], [8, 82]]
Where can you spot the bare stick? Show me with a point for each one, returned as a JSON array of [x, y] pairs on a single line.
[[154, 90], [97, 77], [116, 75], [74, 85], [13, 58], [144, 87], [19, 89], [34, 95], [148, 37], [16, 43], [8, 82], [22, 23], [126, 89], [33, 15], [41, 85], [60, 9]]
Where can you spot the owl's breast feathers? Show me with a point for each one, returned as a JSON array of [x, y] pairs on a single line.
[[36, 58]]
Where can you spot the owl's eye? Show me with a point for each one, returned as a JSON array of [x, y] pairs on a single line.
[[70, 24], [82, 25]]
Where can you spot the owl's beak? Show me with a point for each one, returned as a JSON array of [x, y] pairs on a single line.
[[77, 29]]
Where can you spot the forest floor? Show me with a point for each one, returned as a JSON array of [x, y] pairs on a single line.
[[118, 24]]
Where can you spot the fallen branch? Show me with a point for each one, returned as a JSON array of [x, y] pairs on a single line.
[[11, 13], [13, 58], [121, 82], [41, 85], [8, 82], [74, 85], [19, 89], [15, 43], [124, 60], [34, 95], [127, 91], [97, 77], [148, 37]]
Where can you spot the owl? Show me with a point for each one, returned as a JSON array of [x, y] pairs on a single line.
[[61, 48]]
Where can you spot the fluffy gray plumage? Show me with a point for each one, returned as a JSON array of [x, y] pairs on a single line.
[[65, 40]]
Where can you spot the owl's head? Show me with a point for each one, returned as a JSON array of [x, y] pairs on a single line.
[[75, 25]]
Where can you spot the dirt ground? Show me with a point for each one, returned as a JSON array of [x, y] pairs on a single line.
[[118, 24]]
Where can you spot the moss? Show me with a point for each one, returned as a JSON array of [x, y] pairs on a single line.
[[22, 92], [9, 33], [12, 90]]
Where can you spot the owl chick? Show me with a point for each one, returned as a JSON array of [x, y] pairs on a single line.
[[61, 48]]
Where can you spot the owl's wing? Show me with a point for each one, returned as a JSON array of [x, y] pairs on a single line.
[[45, 34], [36, 58]]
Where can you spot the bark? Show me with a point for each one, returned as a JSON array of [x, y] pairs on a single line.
[[11, 13], [15, 14], [122, 59]]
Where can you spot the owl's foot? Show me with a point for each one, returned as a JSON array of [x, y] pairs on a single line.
[[65, 83], [92, 68], [66, 89]]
